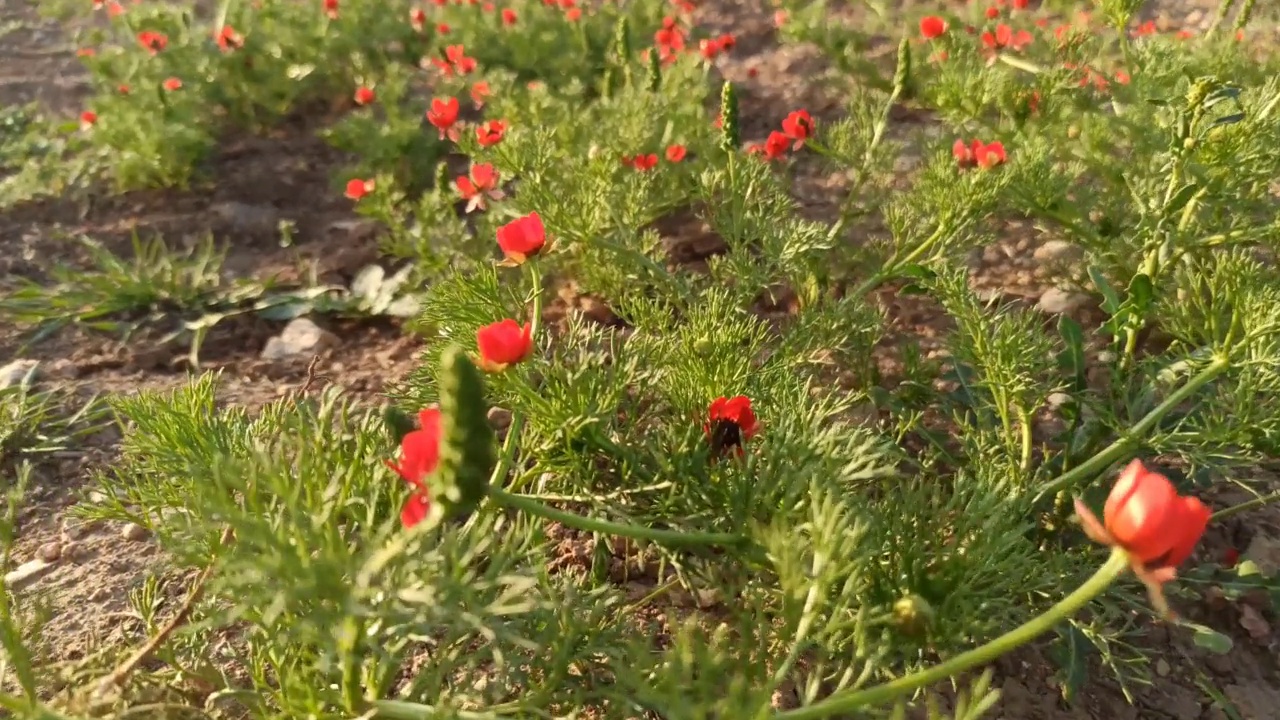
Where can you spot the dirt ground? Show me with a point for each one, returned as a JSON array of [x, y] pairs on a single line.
[[261, 181]]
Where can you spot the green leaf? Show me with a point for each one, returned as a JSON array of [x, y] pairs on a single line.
[[1070, 652], [1110, 298], [1141, 293], [1181, 198], [1211, 640], [1072, 357]]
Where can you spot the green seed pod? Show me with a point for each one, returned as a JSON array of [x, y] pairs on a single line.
[[902, 74], [622, 41], [655, 71], [912, 614], [397, 422], [442, 177], [606, 82], [729, 131], [467, 454]]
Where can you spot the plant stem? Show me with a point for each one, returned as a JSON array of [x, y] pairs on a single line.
[[517, 418], [530, 506], [1253, 504], [1118, 449], [881, 694]]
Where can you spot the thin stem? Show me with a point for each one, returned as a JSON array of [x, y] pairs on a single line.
[[503, 465], [1037, 626], [1118, 449], [1246, 506], [1024, 420], [530, 506]]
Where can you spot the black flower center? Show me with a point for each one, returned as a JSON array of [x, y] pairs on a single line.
[[725, 434]]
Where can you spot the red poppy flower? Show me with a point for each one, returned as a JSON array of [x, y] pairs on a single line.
[[992, 13], [573, 14], [331, 9], [503, 344], [490, 133], [1020, 4], [774, 147], [88, 119], [458, 62], [444, 116], [932, 27], [154, 42], [978, 154], [641, 162], [86, 52], [122, 89], [364, 95], [228, 39], [711, 47], [419, 456], [779, 18], [357, 188], [508, 16], [115, 9], [172, 83], [799, 127], [1005, 37], [482, 182], [418, 19], [676, 153], [522, 238], [730, 423], [1157, 527], [479, 92]]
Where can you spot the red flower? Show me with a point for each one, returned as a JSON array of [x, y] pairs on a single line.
[[711, 47], [932, 27], [358, 188], [992, 13], [978, 154], [419, 456], [508, 16], [86, 52], [172, 83], [228, 39], [1020, 4], [154, 42], [779, 18], [443, 29], [573, 14], [670, 39], [88, 119], [444, 115], [417, 19], [676, 153], [641, 162], [730, 423], [1157, 527], [331, 9], [490, 133], [115, 9], [1005, 37], [456, 56], [799, 127], [503, 344], [482, 181], [364, 95], [522, 238], [479, 92], [774, 147]]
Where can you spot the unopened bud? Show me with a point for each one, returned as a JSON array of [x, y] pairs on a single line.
[[729, 130]]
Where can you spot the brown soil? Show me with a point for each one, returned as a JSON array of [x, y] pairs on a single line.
[[258, 182]]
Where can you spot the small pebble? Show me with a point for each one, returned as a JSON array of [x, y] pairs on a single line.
[[135, 532], [50, 551]]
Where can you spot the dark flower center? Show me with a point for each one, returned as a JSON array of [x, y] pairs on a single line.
[[725, 434]]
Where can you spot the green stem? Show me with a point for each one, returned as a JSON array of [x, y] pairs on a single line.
[[841, 703], [525, 504], [1253, 504], [1124, 445], [1024, 420], [501, 469]]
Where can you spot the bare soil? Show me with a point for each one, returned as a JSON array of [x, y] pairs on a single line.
[[259, 181]]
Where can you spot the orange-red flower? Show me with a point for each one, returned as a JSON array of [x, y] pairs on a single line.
[[522, 238], [642, 162], [482, 182], [358, 188], [444, 116], [490, 133], [509, 16], [676, 153], [1157, 527], [774, 147], [228, 39], [730, 423], [172, 83], [979, 154], [503, 344], [419, 456], [932, 27], [799, 127], [417, 19], [1005, 37], [364, 95], [154, 42], [479, 92], [88, 119]]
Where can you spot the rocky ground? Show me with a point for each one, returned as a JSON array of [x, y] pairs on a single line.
[[84, 572]]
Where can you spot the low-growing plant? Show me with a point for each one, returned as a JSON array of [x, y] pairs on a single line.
[[715, 496]]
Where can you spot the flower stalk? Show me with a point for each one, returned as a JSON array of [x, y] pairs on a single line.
[[882, 694]]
